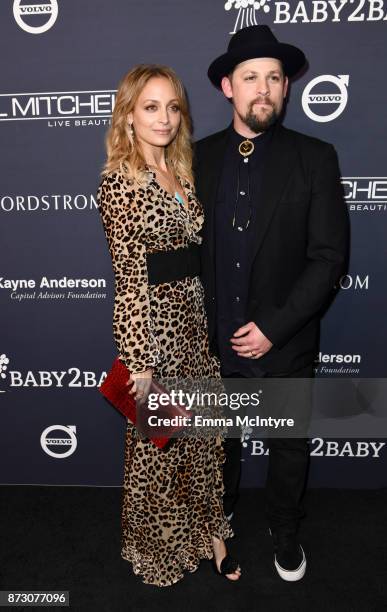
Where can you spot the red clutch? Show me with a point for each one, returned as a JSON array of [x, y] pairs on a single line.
[[116, 390]]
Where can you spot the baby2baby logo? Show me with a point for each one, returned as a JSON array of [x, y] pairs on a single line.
[[47, 379], [249, 12]]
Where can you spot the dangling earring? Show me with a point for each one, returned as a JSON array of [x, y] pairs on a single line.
[[131, 134]]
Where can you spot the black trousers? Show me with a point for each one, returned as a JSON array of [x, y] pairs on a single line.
[[287, 469]]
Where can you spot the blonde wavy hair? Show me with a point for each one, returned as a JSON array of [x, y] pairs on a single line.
[[123, 151]]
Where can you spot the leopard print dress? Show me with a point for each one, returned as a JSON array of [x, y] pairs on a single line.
[[172, 499]]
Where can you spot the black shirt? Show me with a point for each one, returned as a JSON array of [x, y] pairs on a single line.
[[236, 208]]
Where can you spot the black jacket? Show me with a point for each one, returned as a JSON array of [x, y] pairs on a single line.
[[301, 242]]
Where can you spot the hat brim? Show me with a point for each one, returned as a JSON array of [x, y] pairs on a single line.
[[292, 58]]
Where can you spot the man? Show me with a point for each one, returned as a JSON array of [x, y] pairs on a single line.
[[274, 245]]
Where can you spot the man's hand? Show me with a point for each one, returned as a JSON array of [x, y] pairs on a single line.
[[249, 341], [141, 385]]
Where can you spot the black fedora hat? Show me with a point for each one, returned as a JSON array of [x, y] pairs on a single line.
[[251, 42]]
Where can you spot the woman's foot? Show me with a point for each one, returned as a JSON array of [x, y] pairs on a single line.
[[223, 561]]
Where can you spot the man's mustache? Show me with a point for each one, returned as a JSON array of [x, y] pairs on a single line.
[[261, 101]]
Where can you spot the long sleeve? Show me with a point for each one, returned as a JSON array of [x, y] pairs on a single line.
[[123, 224], [327, 251]]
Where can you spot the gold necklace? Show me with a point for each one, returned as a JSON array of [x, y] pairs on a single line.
[[172, 183]]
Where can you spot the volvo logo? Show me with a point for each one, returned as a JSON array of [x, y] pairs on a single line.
[[28, 15], [69, 441], [337, 98]]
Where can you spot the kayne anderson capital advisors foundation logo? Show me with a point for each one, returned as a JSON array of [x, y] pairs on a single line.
[[249, 12], [35, 18], [327, 102], [22, 289], [327, 364], [365, 193], [61, 109]]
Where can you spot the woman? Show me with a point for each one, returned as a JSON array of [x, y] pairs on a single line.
[[172, 513]]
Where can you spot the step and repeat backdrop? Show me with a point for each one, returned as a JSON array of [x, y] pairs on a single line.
[[60, 65]]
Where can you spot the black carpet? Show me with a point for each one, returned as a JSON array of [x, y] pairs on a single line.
[[69, 538]]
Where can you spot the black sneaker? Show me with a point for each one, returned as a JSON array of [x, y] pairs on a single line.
[[289, 556]]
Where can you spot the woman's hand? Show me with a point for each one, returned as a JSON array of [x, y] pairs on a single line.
[[141, 385]]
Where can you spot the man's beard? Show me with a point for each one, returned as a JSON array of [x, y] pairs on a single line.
[[256, 124]]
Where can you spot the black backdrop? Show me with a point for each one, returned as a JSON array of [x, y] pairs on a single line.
[[60, 64]]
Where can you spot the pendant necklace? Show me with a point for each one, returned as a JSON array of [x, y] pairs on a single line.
[[246, 147], [172, 184]]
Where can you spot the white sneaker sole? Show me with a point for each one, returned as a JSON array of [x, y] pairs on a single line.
[[292, 575]]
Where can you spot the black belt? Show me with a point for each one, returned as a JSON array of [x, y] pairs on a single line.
[[168, 266]]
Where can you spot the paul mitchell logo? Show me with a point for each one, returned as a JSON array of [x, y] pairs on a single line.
[[69, 441], [337, 98], [365, 193], [28, 15], [59, 108], [315, 11]]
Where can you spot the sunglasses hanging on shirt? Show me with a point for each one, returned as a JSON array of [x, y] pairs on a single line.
[[245, 148]]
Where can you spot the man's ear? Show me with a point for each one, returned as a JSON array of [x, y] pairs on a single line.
[[226, 87], [286, 86]]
